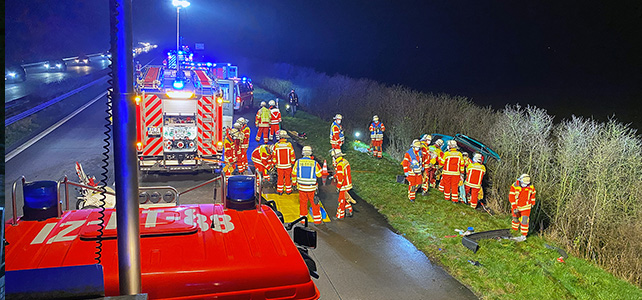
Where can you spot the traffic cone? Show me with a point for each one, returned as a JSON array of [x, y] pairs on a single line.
[[324, 172]]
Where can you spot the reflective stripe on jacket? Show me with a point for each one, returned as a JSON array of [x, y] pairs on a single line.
[[306, 170], [474, 174], [453, 162], [275, 116], [412, 162], [344, 177], [523, 198], [376, 130], [263, 117], [283, 154], [336, 133]]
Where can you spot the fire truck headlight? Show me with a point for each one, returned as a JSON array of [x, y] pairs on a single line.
[[139, 146], [137, 99], [219, 99], [219, 146]]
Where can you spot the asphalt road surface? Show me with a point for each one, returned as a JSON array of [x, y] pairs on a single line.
[[357, 258]]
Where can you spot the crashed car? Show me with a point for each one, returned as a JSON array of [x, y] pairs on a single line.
[[14, 73], [467, 144], [55, 65]]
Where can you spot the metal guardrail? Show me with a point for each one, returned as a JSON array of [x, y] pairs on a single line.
[[65, 59]]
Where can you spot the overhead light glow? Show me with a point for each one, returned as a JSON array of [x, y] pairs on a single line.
[[180, 94], [178, 84]]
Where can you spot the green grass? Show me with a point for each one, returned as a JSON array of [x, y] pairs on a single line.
[[509, 270]]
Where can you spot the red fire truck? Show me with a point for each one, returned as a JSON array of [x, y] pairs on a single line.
[[181, 115]]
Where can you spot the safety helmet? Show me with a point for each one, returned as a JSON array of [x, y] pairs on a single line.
[[338, 117], [426, 137], [271, 103], [242, 120], [465, 154], [237, 125], [375, 118], [283, 134], [452, 144], [263, 103], [416, 144], [439, 142], [524, 180], [477, 157], [336, 153], [306, 151]]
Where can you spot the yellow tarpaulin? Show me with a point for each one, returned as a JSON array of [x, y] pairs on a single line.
[[288, 205]]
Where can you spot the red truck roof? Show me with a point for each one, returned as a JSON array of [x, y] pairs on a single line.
[[245, 254]]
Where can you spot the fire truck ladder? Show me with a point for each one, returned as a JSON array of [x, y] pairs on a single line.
[[203, 82]]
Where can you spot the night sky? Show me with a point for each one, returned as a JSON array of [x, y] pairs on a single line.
[[582, 57]]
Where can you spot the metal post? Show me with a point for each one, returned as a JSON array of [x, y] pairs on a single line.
[[178, 43], [66, 193], [125, 163]]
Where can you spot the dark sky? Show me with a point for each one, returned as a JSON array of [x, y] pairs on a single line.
[[568, 56]]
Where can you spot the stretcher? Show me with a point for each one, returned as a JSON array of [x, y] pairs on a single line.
[[289, 206]]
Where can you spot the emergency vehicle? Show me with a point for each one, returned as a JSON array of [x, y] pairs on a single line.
[[237, 249], [180, 117]]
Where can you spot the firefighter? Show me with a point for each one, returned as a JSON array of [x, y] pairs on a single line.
[[412, 168], [434, 167], [239, 140], [466, 158], [343, 179], [474, 173], [263, 162], [425, 154], [262, 123], [304, 174], [522, 199], [293, 99], [453, 168], [275, 119], [245, 130], [376, 136], [230, 151], [283, 159], [336, 133]]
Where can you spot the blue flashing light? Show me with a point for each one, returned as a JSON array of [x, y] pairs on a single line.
[[178, 84], [209, 64], [180, 52], [229, 65], [169, 54], [244, 78]]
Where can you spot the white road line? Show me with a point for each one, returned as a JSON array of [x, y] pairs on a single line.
[[53, 127]]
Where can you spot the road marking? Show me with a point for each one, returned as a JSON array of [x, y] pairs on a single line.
[[53, 127]]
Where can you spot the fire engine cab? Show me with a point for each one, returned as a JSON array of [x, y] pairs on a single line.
[[181, 114]]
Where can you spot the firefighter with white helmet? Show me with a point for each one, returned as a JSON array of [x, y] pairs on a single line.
[[230, 151], [343, 178], [522, 199], [376, 136], [413, 167], [305, 173], [244, 131], [263, 161], [283, 159], [262, 122], [434, 163], [453, 168], [336, 132], [275, 119], [474, 174], [425, 153]]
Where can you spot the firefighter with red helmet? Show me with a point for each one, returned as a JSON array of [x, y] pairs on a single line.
[[305, 173], [474, 174], [376, 136], [283, 159], [453, 168], [336, 132], [230, 151], [343, 177], [262, 122], [522, 199], [275, 119], [413, 168], [263, 162], [425, 154]]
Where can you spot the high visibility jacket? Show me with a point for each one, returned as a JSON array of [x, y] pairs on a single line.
[[435, 155], [336, 133], [261, 156], [522, 198], [453, 162], [376, 130], [306, 170], [343, 175], [412, 162], [467, 161], [283, 154], [474, 174], [425, 154], [275, 116], [263, 117], [246, 141], [229, 148]]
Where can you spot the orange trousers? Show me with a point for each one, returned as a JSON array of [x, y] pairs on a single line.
[[263, 131], [304, 198], [451, 187], [284, 179]]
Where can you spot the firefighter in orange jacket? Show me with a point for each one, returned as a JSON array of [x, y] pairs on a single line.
[[522, 199], [305, 173], [426, 158], [230, 151], [376, 137], [453, 164], [433, 163], [343, 178], [275, 119], [245, 130], [336, 133], [262, 159], [283, 159], [239, 139], [474, 174], [413, 168], [262, 123]]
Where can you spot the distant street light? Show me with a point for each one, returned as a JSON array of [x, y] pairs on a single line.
[[179, 4]]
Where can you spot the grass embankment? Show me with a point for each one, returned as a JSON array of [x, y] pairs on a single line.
[[509, 270]]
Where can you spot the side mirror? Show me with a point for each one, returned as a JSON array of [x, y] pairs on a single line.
[[305, 237]]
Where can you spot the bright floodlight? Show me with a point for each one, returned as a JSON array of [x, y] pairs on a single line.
[[180, 3], [357, 134]]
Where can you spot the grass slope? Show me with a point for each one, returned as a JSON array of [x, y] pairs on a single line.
[[508, 270]]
